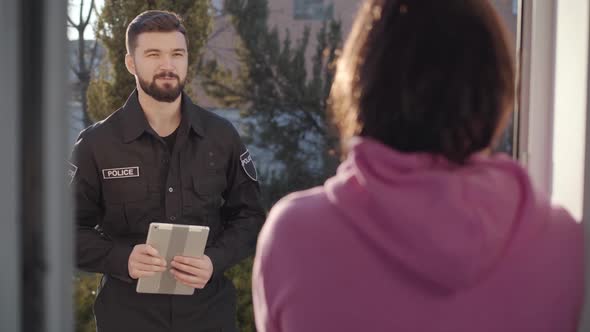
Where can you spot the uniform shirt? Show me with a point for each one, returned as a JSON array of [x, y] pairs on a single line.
[[124, 177], [170, 140]]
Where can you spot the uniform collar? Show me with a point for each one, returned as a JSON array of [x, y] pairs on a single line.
[[135, 123], [193, 114]]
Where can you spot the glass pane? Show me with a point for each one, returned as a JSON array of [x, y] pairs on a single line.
[[269, 73], [312, 10], [285, 125], [283, 118], [508, 10]]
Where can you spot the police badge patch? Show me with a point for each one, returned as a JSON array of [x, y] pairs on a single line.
[[248, 165], [120, 173], [72, 170]]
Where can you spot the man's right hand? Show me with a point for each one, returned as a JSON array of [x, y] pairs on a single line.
[[145, 261]]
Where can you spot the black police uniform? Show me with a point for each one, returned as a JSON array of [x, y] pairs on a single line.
[[124, 177]]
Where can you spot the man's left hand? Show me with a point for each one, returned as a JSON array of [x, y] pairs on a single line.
[[192, 271]]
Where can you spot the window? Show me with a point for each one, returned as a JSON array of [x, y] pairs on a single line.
[[312, 10], [508, 10]]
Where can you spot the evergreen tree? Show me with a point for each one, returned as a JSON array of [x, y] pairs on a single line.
[[273, 88], [241, 276], [288, 109], [85, 285]]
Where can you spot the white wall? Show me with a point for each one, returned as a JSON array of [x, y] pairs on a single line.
[[569, 118], [537, 69]]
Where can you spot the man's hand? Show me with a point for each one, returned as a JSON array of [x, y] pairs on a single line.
[[145, 261], [192, 271]]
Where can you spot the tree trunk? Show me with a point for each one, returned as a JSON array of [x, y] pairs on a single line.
[[84, 98]]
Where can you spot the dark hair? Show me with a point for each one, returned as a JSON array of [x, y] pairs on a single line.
[[425, 76], [153, 21]]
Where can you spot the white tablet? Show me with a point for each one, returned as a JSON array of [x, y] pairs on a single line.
[[172, 240]]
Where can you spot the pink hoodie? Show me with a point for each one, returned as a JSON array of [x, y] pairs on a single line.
[[405, 242]]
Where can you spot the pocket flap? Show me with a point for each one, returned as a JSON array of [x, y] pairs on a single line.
[[124, 190], [210, 183]]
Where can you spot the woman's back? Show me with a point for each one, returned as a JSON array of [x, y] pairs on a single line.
[[400, 242], [422, 228]]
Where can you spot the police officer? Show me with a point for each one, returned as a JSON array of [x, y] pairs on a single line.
[[161, 158]]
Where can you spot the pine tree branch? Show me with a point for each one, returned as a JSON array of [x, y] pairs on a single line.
[[224, 90]]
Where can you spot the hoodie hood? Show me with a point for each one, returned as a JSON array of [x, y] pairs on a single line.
[[444, 224]]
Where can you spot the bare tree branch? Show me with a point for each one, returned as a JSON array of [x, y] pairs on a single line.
[[74, 25], [81, 11], [95, 9], [223, 49], [81, 67], [75, 70], [219, 55], [89, 13], [221, 29], [93, 54]]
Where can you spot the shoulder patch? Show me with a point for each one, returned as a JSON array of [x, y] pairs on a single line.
[[248, 165], [72, 170]]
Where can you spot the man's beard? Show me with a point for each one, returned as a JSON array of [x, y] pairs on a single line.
[[166, 94]]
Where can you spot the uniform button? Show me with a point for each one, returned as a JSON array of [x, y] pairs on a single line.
[[171, 189], [210, 154], [165, 161], [172, 218], [211, 164]]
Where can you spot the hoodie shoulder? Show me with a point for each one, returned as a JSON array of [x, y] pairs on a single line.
[[562, 224], [302, 206], [293, 216]]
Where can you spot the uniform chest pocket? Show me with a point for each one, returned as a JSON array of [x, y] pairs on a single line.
[[125, 190], [210, 184], [204, 196], [127, 202]]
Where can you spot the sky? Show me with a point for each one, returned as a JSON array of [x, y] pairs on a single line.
[[74, 13]]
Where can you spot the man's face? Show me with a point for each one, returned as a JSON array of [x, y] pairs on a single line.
[[160, 62]]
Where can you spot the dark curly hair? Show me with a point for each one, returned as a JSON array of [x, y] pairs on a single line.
[[425, 76], [153, 21]]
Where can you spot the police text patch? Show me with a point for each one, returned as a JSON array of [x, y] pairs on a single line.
[[119, 173], [72, 170], [248, 165]]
